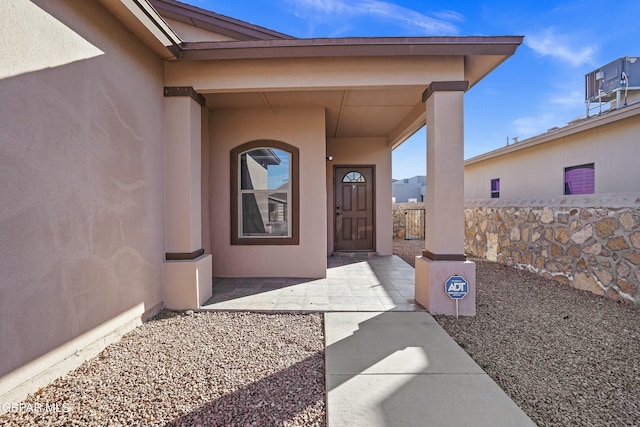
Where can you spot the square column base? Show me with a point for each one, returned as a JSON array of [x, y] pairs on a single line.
[[188, 284], [430, 292]]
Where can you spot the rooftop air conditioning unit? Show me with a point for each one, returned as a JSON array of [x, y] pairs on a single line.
[[612, 81]]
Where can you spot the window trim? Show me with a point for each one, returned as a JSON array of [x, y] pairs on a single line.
[[235, 153]]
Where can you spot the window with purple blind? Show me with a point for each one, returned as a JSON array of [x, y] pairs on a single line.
[[495, 188], [579, 179]]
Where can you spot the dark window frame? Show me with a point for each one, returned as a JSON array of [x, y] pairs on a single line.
[[495, 190], [235, 154]]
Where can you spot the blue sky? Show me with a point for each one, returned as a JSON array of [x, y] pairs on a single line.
[[540, 87]]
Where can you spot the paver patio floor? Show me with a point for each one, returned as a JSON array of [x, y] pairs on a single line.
[[353, 283]]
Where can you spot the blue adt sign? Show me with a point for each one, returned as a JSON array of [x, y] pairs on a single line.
[[456, 287]]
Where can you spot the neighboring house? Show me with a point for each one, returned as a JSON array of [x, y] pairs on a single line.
[[150, 145], [593, 155], [565, 204], [409, 189]]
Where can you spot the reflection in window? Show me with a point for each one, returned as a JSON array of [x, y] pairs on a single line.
[[353, 177], [265, 191]]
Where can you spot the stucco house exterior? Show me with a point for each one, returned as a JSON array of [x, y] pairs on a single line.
[[597, 155], [149, 145]]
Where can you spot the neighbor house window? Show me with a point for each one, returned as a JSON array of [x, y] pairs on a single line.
[[579, 179], [495, 188], [264, 194]]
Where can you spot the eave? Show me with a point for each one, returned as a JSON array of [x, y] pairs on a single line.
[[571, 129]]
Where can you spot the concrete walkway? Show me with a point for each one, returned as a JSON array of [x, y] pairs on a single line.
[[394, 369], [388, 363]]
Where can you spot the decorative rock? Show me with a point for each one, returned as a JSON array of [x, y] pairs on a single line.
[[605, 227], [562, 235], [593, 249], [585, 214], [604, 276], [574, 251], [617, 244], [633, 257], [583, 234], [582, 264], [627, 221], [515, 234], [547, 216], [626, 286], [623, 270], [492, 246], [635, 239], [585, 282]]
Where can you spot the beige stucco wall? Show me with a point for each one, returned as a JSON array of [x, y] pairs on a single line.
[[538, 171], [300, 127], [364, 151], [81, 209]]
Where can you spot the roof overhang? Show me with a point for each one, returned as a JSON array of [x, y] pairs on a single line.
[[481, 54], [374, 83], [368, 86], [145, 22], [556, 134]]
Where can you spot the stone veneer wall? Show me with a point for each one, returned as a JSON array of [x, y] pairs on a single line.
[[588, 242], [399, 217]]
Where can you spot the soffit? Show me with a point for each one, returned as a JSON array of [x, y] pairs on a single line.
[[372, 112]]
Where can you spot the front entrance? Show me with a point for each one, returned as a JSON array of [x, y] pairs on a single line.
[[354, 215]]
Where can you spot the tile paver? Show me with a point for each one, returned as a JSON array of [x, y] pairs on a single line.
[[353, 283]]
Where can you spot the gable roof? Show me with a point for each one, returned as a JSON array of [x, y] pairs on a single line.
[[214, 22]]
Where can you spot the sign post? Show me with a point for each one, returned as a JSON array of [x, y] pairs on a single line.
[[457, 288]]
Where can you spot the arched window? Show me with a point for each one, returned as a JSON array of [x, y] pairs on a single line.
[[264, 194], [353, 177]]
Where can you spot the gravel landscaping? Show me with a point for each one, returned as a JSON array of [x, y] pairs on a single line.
[[236, 369], [565, 356]]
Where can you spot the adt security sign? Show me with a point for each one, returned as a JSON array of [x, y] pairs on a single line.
[[456, 287]]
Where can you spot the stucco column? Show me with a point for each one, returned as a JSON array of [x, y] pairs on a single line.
[[443, 255], [188, 271]]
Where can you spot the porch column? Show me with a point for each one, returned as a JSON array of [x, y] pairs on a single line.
[[187, 269], [443, 255]]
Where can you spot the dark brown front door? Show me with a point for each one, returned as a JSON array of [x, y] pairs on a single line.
[[354, 190]]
